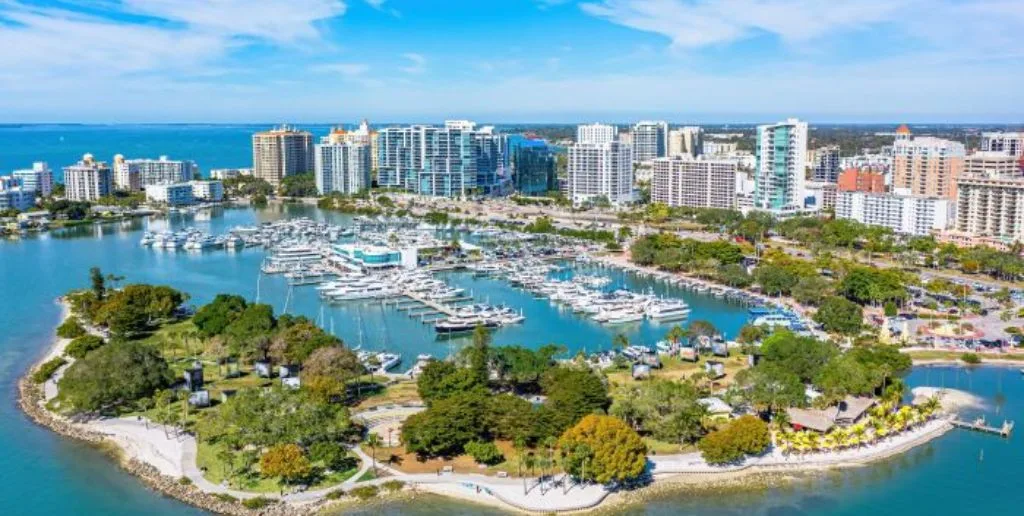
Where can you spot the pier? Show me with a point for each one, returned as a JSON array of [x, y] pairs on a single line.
[[979, 425], [435, 306]]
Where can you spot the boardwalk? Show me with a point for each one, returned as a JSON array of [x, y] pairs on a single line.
[[979, 425]]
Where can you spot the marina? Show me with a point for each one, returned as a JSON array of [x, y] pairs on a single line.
[[377, 323]]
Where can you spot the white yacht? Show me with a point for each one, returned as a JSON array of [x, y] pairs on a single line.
[[668, 310]]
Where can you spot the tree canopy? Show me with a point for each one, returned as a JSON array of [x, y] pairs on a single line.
[[744, 436], [603, 449], [114, 375]]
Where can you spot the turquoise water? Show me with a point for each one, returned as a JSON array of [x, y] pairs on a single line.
[[211, 146], [45, 474]]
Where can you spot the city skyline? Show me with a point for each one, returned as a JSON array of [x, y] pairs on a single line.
[[556, 61]]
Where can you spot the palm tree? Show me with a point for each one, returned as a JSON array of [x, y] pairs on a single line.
[[621, 341], [373, 441]]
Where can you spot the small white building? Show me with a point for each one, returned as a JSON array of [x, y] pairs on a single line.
[[38, 178], [209, 191], [907, 214], [229, 173], [17, 198], [179, 194]]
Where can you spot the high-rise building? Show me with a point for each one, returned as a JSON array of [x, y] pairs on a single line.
[[779, 173], [908, 214], [1010, 143], [993, 163], [456, 160], [926, 166], [342, 166], [826, 164], [229, 173], [600, 168], [126, 175], [698, 183], [596, 133], [88, 180], [38, 178], [533, 165], [861, 180], [991, 206], [362, 135], [135, 175], [686, 140], [281, 152], [650, 140]]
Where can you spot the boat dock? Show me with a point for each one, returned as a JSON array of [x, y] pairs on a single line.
[[433, 305], [979, 425]]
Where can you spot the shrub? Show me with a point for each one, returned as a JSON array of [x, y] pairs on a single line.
[[335, 495], [258, 502], [484, 453], [364, 492], [81, 346], [46, 369], [747, 435], [185, 481], [970, 358], [393, 485], [890, 309], [70, 329], [224, 497]]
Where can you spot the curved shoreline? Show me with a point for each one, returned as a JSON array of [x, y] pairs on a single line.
[[32, 399]]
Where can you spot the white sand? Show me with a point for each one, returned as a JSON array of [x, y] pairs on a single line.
[[951, 399]]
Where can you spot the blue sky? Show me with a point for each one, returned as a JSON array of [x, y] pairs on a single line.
[[510, 60]]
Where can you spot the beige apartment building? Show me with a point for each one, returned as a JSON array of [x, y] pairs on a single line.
[[695, 182], [992, 163], [991, 206], [281, 152], [926, 166]]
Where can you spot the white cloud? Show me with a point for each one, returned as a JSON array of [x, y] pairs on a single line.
[[976, 26], [695, 23], [281, 21], [417, 63], [346, 69]]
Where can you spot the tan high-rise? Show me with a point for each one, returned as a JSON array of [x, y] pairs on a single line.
[[926, 166], [281, 152]]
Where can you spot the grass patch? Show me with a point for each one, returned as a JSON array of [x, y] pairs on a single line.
[[956, 355], [258, 502], [399, 393], [674, 368], [364, 492], [214, 470], [657, 447]]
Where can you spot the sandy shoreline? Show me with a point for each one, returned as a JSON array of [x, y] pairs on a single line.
[[146, 455]]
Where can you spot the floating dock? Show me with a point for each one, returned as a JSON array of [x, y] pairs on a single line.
[[979, 425]]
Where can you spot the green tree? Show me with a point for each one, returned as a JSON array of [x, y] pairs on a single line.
[[839, 315], [249, 334], [811, 290], [81, 346], [114, 375], [571, 394], [214, 317], [485, 453], [444, 429], [480, 355], [613, 451], [667, 410], [71, 328], [99, 288], [440, 380]]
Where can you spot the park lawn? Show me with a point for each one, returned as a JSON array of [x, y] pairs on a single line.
[[402, 392], [656, 447], [409, 463], [213, 470], [955, 355], [673, 368]]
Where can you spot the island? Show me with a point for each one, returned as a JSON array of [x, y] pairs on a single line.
[[238, 410]]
